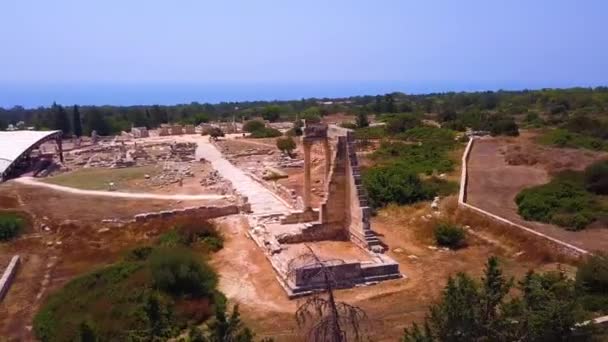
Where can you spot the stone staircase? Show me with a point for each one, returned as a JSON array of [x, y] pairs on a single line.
[[369, 236]]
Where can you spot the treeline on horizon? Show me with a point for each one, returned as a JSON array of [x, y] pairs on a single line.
[[458, 109]]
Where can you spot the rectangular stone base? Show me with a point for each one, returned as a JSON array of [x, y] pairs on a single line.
[[350, 265]]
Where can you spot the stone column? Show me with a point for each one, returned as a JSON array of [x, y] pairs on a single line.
[[327, 151], [60, 148], [307, 181]]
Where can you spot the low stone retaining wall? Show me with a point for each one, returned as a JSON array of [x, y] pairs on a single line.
[[205, 212], [8, 276], [555, 244]]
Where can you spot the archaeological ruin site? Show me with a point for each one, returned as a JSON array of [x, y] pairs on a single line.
[[339, 232]]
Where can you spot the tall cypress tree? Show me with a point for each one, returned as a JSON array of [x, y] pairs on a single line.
[[76, 121], [60, 119]]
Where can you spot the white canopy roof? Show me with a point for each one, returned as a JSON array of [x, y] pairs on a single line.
[[15, 143]]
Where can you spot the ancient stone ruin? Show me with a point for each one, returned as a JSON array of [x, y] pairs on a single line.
[[338, 230]]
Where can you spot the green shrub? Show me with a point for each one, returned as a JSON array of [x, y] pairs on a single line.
[[449, 235], [139, 253], [563, 201], [192, 232], [178, 272], [430, 135], [361, 121], [596, 177], [253, 125], [266, 132], [286, 145], [441, 187], [393, 184], [10, 226], [455, 125], [400, 123], [349, 125], [171, 238], [375, 132], [564, 138], [502, 126]]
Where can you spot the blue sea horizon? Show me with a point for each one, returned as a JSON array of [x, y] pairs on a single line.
[[126, 94]]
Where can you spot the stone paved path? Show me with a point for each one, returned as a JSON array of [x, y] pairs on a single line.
[[133, 195], [262, 200]]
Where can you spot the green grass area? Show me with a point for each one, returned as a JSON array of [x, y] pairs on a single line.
[[564, 138], [99, 178], [564, 201], [11, 224], [155, 292]]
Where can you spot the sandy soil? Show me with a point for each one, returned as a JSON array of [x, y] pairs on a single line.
[[248, 279], [494, 183]]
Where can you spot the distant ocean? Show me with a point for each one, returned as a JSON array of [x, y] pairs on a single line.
[[34, 95]]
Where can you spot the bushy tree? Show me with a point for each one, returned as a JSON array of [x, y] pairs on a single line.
[[311, 114], [272, 112], [596, 177], [592, 274], [501, 125], [447, 115], [401, 123], [215, 132], [177, 271], [286, 145], [253, 125], [362, 120], [393, 184]]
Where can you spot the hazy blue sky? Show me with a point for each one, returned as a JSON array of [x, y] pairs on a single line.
[[414, 45]]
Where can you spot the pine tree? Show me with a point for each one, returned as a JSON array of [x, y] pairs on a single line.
[[547, 310], [76, 123]]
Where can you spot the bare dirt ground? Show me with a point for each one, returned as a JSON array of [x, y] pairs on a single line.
[[248, 279], [499, 168], [75, 241], [253, 155]]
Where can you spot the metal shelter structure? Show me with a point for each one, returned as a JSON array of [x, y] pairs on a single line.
[[15, 146]]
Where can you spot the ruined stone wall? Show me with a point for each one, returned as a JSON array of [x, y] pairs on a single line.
[[336, 206], [346, 203], [8, 276], [204, 212]]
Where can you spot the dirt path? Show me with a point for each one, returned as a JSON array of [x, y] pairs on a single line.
[[34, 182], [262, 200]]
